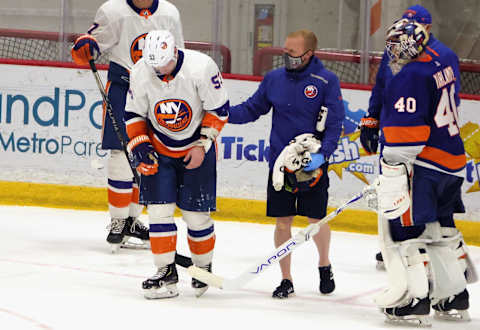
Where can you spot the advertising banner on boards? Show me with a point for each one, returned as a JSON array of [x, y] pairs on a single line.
[[50, 132]]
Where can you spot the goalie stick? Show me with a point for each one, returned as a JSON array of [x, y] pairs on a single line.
[[281, 252], [179, 259]]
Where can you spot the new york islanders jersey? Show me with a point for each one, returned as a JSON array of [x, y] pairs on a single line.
[[419, 121], [172, 109], [120, 28]]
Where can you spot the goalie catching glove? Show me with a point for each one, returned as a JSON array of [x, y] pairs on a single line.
[[85, 49], [389, 194], [145, 156]]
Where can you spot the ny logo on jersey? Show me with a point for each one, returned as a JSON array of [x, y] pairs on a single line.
[[136, 48], [173, 114]]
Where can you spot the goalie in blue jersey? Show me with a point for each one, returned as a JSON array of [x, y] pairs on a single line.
[[423, 167]]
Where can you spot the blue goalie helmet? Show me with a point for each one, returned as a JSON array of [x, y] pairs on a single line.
[[405, 41]]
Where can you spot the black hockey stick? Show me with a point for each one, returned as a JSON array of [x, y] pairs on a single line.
[[179, 259]]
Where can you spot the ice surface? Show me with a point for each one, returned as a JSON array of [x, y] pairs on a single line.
[[57, 272]]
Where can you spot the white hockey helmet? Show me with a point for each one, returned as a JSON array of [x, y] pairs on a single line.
[[405, 40], [159, 48]]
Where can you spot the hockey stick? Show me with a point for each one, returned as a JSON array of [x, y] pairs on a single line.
[[281, 252], [179, 259]]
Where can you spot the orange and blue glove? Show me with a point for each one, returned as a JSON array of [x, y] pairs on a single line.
[[369, 129], [144, 155], [85, 49]]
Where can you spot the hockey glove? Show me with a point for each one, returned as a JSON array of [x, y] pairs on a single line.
[[317, 161], [369, 128], [146, 158], [85, 49]]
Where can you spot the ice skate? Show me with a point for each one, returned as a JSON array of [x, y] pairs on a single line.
[[454, 308], [327, 284], [134, 228], [200, 287], [116, 236], [380, 264], [413, 314], [163, 284], [284, 290]]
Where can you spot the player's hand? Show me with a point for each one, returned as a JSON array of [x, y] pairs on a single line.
[[194, 158], [144, 155], [369, 128], [85, 49]]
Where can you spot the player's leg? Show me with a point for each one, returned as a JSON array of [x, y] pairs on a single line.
[[119, 197], [163, 240], [196, 198], [159, 191], [120, 177], [313, 204], [281, 205], [134, 227]]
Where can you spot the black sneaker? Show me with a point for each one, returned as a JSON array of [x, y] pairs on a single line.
[[380, 263], [199, 286], [284, 289], [327, 284], [454, 307], [117, 231], [135, 228], [163, 284]]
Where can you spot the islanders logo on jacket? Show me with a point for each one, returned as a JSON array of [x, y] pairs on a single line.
[[310, 91], [136, 49], [173, 114]]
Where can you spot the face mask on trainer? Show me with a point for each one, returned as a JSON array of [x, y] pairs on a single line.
[[293, 63]]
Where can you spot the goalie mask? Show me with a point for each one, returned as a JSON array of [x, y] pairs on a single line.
[[405, 41]]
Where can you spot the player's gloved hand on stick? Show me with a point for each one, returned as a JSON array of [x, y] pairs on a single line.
[[144, 154], [369, 128], [85, 49], [318, 160]]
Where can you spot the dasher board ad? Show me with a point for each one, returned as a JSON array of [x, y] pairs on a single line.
[[50, 132]]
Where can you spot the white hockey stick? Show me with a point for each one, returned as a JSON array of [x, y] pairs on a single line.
[[275, 256]]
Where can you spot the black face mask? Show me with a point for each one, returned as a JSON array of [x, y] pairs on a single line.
[[293, 63]]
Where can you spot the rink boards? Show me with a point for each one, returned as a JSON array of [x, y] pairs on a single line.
[[50, 120]]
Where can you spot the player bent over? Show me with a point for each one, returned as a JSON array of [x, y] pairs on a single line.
[[423, 164], [119, 29], [176, 107]]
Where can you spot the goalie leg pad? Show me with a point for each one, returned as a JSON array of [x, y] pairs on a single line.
[[406, 271], [163, 233], [460, 248]]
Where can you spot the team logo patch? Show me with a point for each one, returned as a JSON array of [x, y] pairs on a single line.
[[164, 45], [310, 91], [173, 114], [137, 47]]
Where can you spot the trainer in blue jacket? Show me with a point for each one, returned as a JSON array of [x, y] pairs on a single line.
[[297, 93]]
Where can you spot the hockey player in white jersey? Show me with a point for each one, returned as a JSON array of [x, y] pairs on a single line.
[[176, 107], [119, 29]]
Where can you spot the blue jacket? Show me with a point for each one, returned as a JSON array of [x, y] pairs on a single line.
[[384, 76], [296, 98]]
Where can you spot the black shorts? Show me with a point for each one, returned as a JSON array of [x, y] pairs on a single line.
[[311, 203]]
